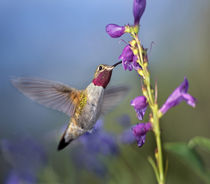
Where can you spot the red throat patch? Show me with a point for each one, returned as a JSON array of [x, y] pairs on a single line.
[[103, 78]]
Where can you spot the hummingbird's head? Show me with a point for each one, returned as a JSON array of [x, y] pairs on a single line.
[[103, 74]]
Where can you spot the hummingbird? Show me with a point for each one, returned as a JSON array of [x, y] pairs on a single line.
[[82, 106]]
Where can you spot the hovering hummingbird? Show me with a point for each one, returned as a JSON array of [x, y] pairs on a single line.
[[83, 106]]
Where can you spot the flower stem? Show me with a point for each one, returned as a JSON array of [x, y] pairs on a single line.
[[159, 146], [149, 93]]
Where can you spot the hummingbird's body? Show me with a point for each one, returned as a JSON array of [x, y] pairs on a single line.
[[83, 106], [87, 112]]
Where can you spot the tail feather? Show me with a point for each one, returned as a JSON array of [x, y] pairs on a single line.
[[71, 133], [62, 144]]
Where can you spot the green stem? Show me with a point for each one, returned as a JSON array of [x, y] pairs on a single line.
[[159, 146], [154, 108]]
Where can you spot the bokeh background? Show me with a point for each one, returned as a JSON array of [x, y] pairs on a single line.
[[65, 41]]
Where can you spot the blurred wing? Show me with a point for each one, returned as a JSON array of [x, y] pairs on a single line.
[[49, 93], [112, 97]]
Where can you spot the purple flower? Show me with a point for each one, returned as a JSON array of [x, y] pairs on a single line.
[[99, 141], [179, 94], [127, 58], [127, 137], [25, 157], [94, 144], [124, 120], [83, 159], [13, 178], [140, 131], [138, 10], [114, 30], [140, 105]]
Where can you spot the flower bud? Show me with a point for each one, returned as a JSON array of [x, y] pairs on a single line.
[[138, 10], [114, 30]]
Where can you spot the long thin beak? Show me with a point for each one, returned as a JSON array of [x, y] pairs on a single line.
[[113, 66], [117, 64]]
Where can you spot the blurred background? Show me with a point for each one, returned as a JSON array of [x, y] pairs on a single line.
[[65, 41]]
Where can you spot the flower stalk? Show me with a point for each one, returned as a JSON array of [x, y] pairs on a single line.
[[134, 56], [154, 119]]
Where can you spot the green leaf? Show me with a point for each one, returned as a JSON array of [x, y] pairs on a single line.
[[201, 142], [191, 158], [188, 154]]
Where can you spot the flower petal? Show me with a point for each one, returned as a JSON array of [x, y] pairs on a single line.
[[189, 99], [127, 54]]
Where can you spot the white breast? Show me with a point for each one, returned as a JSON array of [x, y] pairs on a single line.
[[92, 109]]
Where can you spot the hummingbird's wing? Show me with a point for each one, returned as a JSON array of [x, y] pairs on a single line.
[[112, 97], [52, 94]]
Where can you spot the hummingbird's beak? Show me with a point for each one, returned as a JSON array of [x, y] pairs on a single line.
[[116, 64], [113, 66]]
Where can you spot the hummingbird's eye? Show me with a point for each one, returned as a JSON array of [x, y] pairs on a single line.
[[100, 67]]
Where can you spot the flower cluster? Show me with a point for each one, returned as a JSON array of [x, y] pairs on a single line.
[[130, 61], [140, 105], [129, 57], [134, 56]]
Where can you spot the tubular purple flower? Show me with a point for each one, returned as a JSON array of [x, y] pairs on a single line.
[[140, 105], [114, 30], [179, 94], [127, 58], [140, 131], [138, 10]]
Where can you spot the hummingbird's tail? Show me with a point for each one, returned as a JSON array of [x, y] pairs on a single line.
[[72, 132], [62, 144]]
